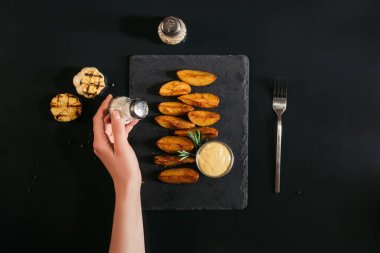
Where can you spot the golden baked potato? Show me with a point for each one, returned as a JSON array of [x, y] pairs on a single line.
[[207, 132], [173, 144], [196, 77], [174, 88], [172, 160], [203, 118], [172, 122], [174, 108], [179, 176], [201, 100]]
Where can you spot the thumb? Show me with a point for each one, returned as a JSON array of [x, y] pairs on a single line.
[[118, 131]]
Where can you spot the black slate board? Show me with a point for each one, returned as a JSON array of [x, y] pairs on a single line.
[[147, 74]]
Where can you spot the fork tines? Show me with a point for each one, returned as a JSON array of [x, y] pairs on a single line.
[[279, 91]]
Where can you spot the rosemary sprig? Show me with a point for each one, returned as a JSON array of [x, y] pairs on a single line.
[[196, 137], [184, 154]]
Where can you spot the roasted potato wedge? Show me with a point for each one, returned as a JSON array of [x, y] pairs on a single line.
[[174, 108], [172, 122], [179, 176], [207, 132], [201, 100], [173, 144], [172, 160], [203, 118], [196, 77], [175, 88]]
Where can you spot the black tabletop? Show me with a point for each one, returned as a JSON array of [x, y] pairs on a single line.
[[56, 197]]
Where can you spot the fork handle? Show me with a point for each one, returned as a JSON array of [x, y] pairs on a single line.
[[277, 179]]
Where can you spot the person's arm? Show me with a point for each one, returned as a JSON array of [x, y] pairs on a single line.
[[121, 162]]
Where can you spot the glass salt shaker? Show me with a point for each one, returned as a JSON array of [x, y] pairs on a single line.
[[130, 108], [172, 30]]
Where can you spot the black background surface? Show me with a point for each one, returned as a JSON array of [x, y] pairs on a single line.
[[55, 199]]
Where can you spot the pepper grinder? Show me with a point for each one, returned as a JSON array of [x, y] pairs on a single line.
[[172, 30]]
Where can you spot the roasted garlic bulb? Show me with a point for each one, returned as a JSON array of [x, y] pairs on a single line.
[[89, 82], [65, 107]]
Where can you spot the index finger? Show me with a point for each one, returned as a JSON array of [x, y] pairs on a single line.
[[129, 127]]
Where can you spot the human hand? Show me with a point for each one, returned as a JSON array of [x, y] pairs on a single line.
[[119, 158]]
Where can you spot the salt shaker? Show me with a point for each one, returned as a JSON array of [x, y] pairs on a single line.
[[172, 30], [130, 108]]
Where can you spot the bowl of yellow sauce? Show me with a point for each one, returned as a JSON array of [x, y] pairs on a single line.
[[214, 159]]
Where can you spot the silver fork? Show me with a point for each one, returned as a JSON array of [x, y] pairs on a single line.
[[279, 106]]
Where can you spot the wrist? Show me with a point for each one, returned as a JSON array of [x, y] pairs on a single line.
[[129, 187]]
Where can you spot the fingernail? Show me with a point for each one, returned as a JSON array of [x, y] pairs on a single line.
[[109, 95], [115, 114]]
